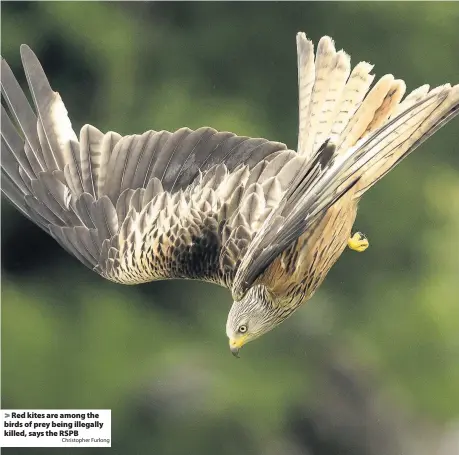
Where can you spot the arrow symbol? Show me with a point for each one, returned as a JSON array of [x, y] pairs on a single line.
[[6, 415]]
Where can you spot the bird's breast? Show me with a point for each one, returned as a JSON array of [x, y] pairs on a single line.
[[301, 268]]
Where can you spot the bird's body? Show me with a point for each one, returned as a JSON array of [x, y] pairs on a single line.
[[299, 271], [190, 242], [248, 214]]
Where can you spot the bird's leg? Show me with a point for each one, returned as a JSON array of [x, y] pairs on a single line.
[[358, 242]]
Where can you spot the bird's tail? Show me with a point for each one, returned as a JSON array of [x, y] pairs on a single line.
[[336, 103]]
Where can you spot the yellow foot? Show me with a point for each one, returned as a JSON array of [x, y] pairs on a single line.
[[358, 242]]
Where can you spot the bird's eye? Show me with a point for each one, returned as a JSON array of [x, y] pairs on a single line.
[[242, 329]]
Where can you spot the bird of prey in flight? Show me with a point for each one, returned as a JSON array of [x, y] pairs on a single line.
[[248, 214]]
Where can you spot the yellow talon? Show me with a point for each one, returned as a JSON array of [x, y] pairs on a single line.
[[358, 242]]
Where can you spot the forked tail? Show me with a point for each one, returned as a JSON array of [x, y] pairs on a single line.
[[336, 103]]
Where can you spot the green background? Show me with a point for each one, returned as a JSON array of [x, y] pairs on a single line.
[[369, 366]]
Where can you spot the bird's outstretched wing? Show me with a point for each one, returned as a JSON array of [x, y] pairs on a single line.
[[137, 208], [205, 204]]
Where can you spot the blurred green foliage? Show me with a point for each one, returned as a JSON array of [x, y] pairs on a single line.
[[385, 323]]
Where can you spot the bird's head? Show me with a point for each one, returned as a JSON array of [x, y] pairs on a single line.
[[252, 316]]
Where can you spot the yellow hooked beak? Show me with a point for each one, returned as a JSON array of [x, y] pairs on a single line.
[[236, 344]]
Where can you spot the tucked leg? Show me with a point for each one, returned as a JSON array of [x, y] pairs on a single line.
[[358, 242]]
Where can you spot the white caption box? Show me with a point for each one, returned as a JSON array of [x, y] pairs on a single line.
[[56, 428]]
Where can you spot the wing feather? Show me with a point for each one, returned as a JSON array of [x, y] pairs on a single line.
[[90, 151], [136, 174], [14, 194], [50, 108], [12, 142], [11, 168], [100, 164]]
